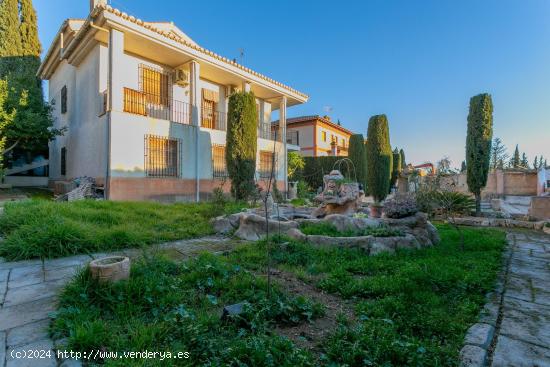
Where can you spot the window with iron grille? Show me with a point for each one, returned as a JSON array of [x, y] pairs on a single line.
[[155, 84], [64, 99], [162, 156], [219, 165], [63, 161], [266, 162]]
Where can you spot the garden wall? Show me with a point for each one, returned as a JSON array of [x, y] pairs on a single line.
[[540, 208]]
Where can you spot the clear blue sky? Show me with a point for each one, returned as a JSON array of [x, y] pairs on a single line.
[[418, 61]]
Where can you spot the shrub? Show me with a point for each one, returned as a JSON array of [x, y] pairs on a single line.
[[241, 144], [400, 206], [379, 157], [359, 158], [396, 167], [295, 163]]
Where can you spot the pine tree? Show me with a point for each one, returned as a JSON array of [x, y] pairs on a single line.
[[515, 161], [379, 157], [478, 144], [498, 153], [10, 39], [524, 162], [30, 44]]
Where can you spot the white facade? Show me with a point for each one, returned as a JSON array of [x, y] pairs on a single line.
[[100, 64]]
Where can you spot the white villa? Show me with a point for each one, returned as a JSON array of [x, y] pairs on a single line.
[[145, 108]]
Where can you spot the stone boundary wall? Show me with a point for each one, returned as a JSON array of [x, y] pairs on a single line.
[[540, 208]]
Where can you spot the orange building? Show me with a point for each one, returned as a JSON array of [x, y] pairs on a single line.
[[316, 136]]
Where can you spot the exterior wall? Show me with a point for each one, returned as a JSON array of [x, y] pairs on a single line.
[[540, 208], [324, 147], [85, 138], [499, 183], [543, 181], [306, 138]]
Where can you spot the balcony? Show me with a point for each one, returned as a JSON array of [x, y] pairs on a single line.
[[144, 104], [212, 119]]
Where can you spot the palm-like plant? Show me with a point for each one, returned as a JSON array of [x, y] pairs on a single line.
[[451, 204]]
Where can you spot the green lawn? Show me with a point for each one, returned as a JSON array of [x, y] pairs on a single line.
[[48, 229], [411, 309]]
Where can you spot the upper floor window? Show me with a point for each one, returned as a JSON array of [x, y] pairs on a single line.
[[63, 161], [210, 116], [324, 135], [64, 99], [162, 156], [155, 84], [219, 165]]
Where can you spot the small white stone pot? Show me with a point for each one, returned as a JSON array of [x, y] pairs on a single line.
[[111, 269]]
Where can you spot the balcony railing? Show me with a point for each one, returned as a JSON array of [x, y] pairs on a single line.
[[212, 119], [139, 103], [264, 131]]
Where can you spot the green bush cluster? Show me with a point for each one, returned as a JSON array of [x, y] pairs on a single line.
[[328, 229], [242, 137]]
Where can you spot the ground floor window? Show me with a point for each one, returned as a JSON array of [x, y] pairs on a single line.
[[162, 156], [219, 165], [266, 162]]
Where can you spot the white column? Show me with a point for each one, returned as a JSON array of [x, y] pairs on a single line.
[[246, 87], [282, 126], [116, 67], [196, 108]]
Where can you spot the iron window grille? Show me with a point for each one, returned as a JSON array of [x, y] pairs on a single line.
[[64, 99], [63, 161], [162, 156], [266, 162], [219, 164], [156, 85]]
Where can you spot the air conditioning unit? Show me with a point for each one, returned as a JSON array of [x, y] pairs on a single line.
[[181, 77]]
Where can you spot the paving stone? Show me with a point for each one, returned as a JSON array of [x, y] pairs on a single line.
[[28, 333], [514, 353], [3, 287], [4, 275], [526, 321], [80, 260], [2, 348], [480, 335], [472, 356], [30, 279], [19, 264], [14, 316], [33, 292], [527, 290], [41, 347], [61, 273], [26, 271]]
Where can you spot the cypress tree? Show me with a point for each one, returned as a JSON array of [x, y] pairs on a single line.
[[478, 144], [524, 161], [359, 158], [379, 157], [463, 167], [30, 44], [10, 38], [403, 162], [242, 122], [396, 167], [515, 162]]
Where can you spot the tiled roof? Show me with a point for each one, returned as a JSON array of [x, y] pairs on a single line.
[[293, 120], [151, 27]]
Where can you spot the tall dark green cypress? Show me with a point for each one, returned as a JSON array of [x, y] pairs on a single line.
[[10, 38], [403, 162], [242, 137], [478, 144], [30, 44], [358, 156], [379, 157], [396, 167]]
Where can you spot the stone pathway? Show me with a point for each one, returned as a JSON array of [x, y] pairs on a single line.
[[514, 329], [29, 289]]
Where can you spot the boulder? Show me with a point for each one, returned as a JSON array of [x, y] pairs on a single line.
[[253, 227], [381, 245], [296, 234], [346, 242], [222, 225], [432, 233]]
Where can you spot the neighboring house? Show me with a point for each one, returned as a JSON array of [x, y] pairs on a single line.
[[316, 136], [146, 108]]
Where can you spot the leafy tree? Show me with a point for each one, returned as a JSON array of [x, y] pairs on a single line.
[[396, 167], [478, 144], [463, 167], [498, 154], [379, 157], [402, 154], [241, 143], [295, 163], [524, 161], [358, 156], [444, 165], [515, 161]]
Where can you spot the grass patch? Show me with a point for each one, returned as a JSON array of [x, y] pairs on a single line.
[[328, 229], [413, 308], [176, 307], [48, 229]]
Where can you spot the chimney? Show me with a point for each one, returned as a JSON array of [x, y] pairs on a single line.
[[94, 3]]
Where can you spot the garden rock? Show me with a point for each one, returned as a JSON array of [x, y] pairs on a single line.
[[233, 310], [253, 227], [222, 225]]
